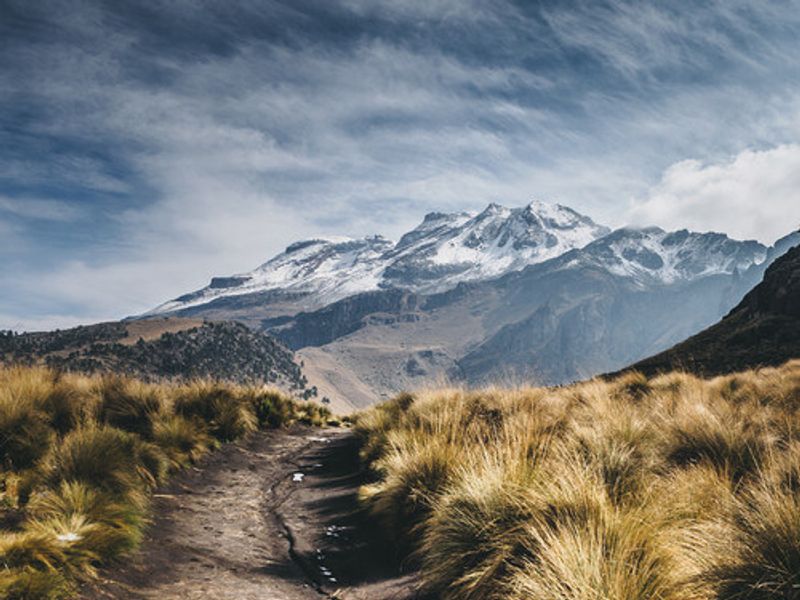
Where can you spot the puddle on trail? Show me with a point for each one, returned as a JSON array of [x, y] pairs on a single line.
[[336, 531]]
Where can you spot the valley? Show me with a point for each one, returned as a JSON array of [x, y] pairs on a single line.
[[538, 294]]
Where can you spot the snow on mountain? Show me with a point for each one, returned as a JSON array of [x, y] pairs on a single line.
[[651, 255], [331, 268], [446, 249]]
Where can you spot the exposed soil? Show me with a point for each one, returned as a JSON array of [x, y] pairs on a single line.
[[274, 517]]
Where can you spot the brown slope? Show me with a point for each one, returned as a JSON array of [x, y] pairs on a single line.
[[763, 330]]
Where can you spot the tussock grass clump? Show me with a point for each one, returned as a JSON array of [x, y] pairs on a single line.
[[25, 435], [415, 473], [102, 457], [373, 426], [475, 535], [670, 488], [79, 456], [732, 439], [31, 584], [183, 441], [313, 414], [129, 404], [765, 562], [272, 408], [610, 555], [227, 412]]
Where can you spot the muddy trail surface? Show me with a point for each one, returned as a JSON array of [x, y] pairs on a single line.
[[273, 517]]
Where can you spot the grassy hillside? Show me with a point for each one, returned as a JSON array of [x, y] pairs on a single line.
[[160, 349], [80, 455], [671, 488]]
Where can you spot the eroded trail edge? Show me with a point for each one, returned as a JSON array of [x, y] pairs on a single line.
[[271, 517]]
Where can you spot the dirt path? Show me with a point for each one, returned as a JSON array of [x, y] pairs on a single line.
[[271, 518]]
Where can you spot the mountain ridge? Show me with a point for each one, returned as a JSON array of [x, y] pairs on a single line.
[[762, 330], [446, 249], [537, 294], [443, 250]]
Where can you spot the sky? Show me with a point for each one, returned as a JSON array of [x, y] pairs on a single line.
[[147, 146]]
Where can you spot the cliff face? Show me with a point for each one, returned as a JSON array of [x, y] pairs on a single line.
[[762, 330]]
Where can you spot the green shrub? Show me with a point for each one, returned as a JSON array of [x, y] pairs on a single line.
[[272, 408]]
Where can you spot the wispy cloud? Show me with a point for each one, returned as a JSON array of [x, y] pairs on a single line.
[[38, 208], [197, 139]]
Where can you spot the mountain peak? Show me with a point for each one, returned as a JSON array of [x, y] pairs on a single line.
[[442, 251], [493, 242], [449, 248], [493, 209], [651, 255]]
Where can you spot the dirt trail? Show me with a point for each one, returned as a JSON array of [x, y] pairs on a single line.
[[270, 518]]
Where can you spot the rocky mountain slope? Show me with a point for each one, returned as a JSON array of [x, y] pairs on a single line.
[[763, 329], [538, 293], [591, 310], [161, 349]]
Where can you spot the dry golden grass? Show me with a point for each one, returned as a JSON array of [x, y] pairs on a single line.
[[671, 488], [79, 456]]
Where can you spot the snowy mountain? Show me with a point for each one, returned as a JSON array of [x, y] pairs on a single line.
[[447, 249], [651, 255], [538, 293], [329, 269], [444, 250]]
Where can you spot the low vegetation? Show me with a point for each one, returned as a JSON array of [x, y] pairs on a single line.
[[224, 350], [80, 455], [670, 488]]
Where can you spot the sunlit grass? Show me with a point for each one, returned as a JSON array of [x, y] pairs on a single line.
[[671, 488], [80, 455]]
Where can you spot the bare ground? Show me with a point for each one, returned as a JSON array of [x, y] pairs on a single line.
[[274, 517]]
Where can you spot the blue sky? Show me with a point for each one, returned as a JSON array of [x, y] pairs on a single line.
[[146, 146]]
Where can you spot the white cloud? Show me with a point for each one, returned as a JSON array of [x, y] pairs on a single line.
[[756, 194]]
